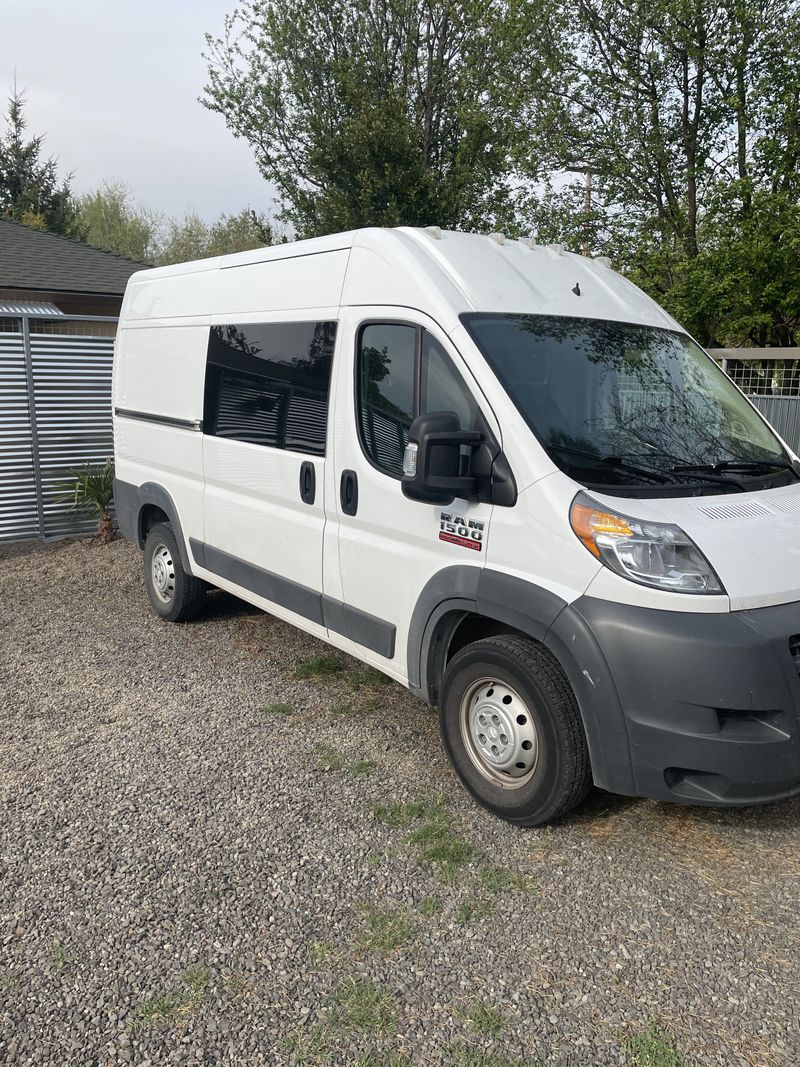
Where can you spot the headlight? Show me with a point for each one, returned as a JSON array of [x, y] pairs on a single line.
[[652, 553]]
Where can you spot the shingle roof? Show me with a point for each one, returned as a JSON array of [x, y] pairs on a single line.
[[35, 259]]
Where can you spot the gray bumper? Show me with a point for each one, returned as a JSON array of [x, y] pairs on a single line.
[[686, 707]]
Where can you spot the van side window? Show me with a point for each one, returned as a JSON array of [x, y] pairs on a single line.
[[387, 355], [442, 386], [267, 384], [402, 371]]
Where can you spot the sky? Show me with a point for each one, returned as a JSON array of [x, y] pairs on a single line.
[[113, 86]]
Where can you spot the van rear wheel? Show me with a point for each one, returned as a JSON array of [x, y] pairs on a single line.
[[175, 595], [512, 730]]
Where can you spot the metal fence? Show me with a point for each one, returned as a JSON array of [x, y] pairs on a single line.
[[771, 379], [55, 415]]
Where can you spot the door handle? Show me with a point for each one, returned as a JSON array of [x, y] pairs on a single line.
[[308, 482], [348, 492]]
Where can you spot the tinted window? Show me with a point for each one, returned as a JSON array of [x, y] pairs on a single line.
[[442, 386], [267, 384], [402, 372], [386, 386]]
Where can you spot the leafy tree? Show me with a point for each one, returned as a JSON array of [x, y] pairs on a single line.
[[31, 190], [687, 115], [192, 238], [108, 218], [380, 112]]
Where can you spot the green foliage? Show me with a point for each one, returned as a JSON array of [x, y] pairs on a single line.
[[361, 1006], [276, 709], [385, 930], [486, 1020], [653, 1048], [319, 667], [685, 112], [91, 489], [31, 190], [379, 112], [108, 218], [192, 238]]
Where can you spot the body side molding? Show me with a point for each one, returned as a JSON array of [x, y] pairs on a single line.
[[367, 630]]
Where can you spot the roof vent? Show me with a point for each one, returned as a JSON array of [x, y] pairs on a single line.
[[528, 242], [435, 232], [558, 249], [604, 261], [498, 238]]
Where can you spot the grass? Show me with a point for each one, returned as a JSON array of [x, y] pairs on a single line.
[[59, 957], [440, 847], [430, 906], [468, 910], [383, 1059], [181, 1000], [653, 1048], [368, 678], [328, 758], [358, 1005], [499, 880], [431, 832], [486, 1020], [321, 667], [362, 768], [276, 709], [307, 1046], [385, 930], [8, 983], [461, 1055]]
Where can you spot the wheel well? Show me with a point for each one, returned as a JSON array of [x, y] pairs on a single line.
[[455, 631], [150, 516]]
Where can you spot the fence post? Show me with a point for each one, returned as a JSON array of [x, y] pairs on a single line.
[[37, 467]]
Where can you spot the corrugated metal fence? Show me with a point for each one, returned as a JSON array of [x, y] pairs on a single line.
[[55, 414]]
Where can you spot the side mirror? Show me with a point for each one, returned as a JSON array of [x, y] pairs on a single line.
[[436, 464]]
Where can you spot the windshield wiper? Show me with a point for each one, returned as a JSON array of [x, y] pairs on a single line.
[[616, 463], [736, 465]]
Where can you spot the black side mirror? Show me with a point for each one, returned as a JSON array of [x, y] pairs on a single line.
[[436, 465]]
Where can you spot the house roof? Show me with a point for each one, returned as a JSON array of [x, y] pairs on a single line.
[[35, 259]]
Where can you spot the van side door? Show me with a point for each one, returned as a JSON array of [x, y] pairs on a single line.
[[264, 442], [395, 364]]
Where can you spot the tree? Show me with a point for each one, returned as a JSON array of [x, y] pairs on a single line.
[[192, 238], [31, 190], [686, 114], [108, 218], [379, 112]]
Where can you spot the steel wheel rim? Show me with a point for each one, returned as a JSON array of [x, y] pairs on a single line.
[[162, 573], [499, 733]]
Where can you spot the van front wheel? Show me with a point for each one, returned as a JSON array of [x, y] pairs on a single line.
[[175, 595], [512, 730]]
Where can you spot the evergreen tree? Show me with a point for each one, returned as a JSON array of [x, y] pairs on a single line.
[[31, 190]]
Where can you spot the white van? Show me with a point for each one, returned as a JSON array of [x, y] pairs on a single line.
[[495, 471]]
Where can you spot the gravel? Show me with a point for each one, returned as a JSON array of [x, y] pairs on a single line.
[[193, 876]]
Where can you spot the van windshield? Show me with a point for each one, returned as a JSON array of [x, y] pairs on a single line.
[[618, 404]]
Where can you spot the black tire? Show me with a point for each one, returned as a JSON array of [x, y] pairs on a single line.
[[558, 774], [182, 598]]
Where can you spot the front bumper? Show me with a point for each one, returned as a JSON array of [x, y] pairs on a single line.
[[683, 706]]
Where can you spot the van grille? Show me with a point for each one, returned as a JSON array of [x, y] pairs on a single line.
[[794, 650]]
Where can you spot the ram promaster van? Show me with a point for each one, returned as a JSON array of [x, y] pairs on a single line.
[[498, 473]]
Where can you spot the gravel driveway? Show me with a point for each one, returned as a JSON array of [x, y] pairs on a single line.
[[224, 844]]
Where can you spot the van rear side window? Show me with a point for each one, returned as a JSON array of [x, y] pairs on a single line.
[[268, 384]]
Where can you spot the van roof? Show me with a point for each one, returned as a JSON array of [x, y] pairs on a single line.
[[447, 272]]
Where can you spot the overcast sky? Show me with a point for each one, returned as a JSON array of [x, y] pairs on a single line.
[[113, 86]]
